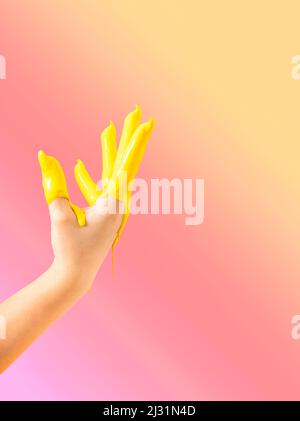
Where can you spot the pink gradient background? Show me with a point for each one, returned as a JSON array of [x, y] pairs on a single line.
[[195, 312]]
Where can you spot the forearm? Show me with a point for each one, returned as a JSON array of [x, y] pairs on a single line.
[[31, 310]]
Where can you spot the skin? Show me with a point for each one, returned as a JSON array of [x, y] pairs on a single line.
[[81, 238], [78, 254]]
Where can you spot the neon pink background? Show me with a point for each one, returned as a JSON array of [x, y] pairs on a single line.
[[195, 312]]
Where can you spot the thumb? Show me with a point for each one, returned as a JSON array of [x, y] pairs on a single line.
[[61, 212], [53, 178], [55, 185]]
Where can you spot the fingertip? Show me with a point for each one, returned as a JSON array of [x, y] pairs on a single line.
[[145, 128], [150, 125], [45, 161], [138, 110], [78, 164], [109, 131], [79, 168], [135, 116], [41, 154], [112, 128], [41, 157]]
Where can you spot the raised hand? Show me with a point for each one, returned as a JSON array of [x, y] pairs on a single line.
[[119, 168]]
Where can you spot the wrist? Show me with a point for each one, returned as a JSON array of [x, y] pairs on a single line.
[[71, 277]]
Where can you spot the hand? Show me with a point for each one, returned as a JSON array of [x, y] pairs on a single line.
[[80, 251], [118, 167], [80, 243]]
